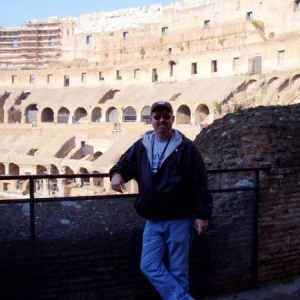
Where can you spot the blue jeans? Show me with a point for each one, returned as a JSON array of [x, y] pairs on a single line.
[[172, 238]]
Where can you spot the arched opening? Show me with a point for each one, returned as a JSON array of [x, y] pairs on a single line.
[[13, 169], [294, 84], [250, 82], [47, 115], [112, 115], [183, 115], [66, 170], [86, 180], [202, 115], [271, 80], [97, 155], [80, 115], [129, 114], [54, 169], [145, 115], [96, 114], [2, 169], [31, 114], [63, 116], [41, 170]]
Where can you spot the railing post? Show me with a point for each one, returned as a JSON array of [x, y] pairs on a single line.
[[32, 208], [255, 231], [33, 275]]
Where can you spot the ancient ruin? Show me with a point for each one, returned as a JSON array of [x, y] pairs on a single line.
[[76, 92]]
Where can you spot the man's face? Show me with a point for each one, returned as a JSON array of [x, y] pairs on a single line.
[[162, 121]]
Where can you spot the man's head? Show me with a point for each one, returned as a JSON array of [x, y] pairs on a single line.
[[162, 119], [161, 104]]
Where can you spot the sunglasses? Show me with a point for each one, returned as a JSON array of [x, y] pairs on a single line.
[[164, 116]]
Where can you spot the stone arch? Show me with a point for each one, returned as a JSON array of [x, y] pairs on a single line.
[[83, 170], [129, 114], [145, 114], [275, 85], [80, 115], [294, 79], [96, 114], [41, 170], [270, 81], [40, 183], [2, 169], [52, 185], [63, 116], [251, 88], [112, 115], [86, 180], [66, 170], [47, 115], [250, 82], [53, 169], [202, 114], [96, 155], [31, 112], [13, 169], [183, 115]]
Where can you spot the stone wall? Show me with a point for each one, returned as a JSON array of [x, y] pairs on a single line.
[[260, 137], [145, 39], [90, 249]]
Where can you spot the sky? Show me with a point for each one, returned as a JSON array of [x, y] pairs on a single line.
[[18, 12]]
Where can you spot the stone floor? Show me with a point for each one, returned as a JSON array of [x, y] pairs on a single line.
[[273, 291]]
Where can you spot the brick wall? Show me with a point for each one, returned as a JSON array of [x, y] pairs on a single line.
[[260, 137], [91, 250]]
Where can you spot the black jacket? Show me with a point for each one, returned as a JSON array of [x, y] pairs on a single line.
[[178, 189]]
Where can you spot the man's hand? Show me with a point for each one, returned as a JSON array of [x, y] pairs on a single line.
[[201, 225], [117, 183]]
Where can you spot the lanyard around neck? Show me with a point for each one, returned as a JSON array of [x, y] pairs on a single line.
[[162, 154]]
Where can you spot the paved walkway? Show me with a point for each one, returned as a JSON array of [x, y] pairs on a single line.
[[274, 291]]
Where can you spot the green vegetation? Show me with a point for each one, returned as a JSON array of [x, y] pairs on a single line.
[[222, 41], [258, 24], [142, 52], [218, 107]]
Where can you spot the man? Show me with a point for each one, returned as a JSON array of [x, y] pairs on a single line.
[[173, 198]]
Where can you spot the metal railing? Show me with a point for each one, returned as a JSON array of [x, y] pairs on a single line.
[[33, 200]]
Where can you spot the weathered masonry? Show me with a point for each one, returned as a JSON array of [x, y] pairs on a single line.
[[183, 41]]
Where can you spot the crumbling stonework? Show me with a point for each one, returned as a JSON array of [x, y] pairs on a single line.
[[262, 137]]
